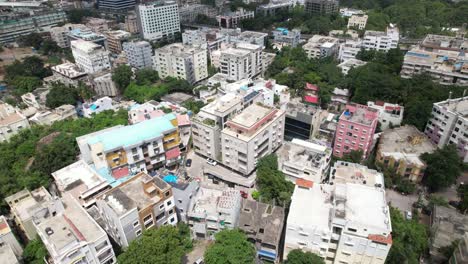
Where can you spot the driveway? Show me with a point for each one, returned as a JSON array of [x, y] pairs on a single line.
[[199, 247], [402, 202]]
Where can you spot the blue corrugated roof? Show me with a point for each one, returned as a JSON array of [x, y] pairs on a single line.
[[267, 254], [130, 135]]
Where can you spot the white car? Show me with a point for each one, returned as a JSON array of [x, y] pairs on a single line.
[[408, 215], [211, 162]]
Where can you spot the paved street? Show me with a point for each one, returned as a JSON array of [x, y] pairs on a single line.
[[402, 202]]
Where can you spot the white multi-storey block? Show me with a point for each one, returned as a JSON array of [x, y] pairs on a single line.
[[241, 62], [158, 20], [90, 57], [11, 122], [349, 49], [321, 47], [389, 114], [380, 40], [357, 21], [181, 61], [139, 54]]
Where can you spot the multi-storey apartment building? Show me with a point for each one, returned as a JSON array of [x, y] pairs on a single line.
[[382, 41], [127, 150], [8, 239], [349, 49], [141, 203], [300, 159], [87, 34], [447, 67], [357, 21], [11, 122], [275, 6], [389, 114], [189, 13], [284, 37], [250, 135], [72, 236], [212, 210], [69, 74], [321, 46], [158, 20], [347, 172], [355, 130], [60, 34], [242, 62], [181, 61], [440, 42], [103, 84], [321, 6], [233, 19], [90, 57], [115, 38], [449, 125], [350, 222], [120, 6], [24, 205], [139, 54], [400, 148], [102, 104]]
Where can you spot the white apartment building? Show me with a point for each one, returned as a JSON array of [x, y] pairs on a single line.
[[449, 125], [349, 49], [139, 54], [8, 239], [357, 21], [90, 57], [321, 46], [60, 113], [181, 61], [72, 236], [349, 64], [141, 203], [285, 37], [348, 12], [60, 34], [447, 67], [389, 114], [349, 223], [212, 210], [300, 159], [382, 41], [11, 122], [243, 61], [98, 106], [158, 20], [68, 73], [104, 85], [250, 135]]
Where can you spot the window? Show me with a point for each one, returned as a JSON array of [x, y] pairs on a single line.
[[161, 206], [169, 203], [148, 217], [352, 229], [138, 233], [171, 211], [167, 194], [136, 223]]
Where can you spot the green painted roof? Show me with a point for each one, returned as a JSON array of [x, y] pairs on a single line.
[[133, 134]]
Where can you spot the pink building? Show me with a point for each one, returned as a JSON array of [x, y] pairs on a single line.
[[311, 95], [355, 130]]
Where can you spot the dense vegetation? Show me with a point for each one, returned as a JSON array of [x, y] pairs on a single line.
[[443, 168], [410, 239], [34, 252], [298, 256], [29, 158], [379, 79], [163, 245], [231, 246], [272, 184]]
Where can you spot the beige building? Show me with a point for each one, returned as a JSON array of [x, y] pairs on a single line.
[[400, 148], [11, 121], [115, 39], [24, 205], [321, 46], [241, 62], [104, 85], [357, 21], [181, 61], [141, 203]]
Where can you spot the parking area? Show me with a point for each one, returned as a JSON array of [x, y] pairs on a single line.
[[402, 202], [218, 174], [199, 248]]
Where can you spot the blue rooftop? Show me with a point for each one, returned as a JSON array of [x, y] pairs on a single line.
[[421, 55], [133, 134]]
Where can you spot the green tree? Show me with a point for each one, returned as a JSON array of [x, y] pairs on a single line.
[[443, 168], [25, 84], [146, 76], [31, 40], [34, 252], [194, 106], [61, 94], [49, 47], [463, 194], [410, 239], [164, 245], [122, 75], [298, 256], [84, 91], [230, 247], [354, 156], [272, 183]]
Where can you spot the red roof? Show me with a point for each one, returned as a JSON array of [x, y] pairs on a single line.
[[311, 99], [379, 103], [392, 107], [304, 183], [172, 153], [74, 228], [381, 239], [120, 172], [312, 87]]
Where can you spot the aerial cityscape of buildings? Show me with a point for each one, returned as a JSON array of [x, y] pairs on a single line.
[[203, 115]]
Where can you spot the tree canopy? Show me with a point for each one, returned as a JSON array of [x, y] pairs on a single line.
[[61, 94], [146, 92], [163, 245], [272, 183], [230, 247], [122, 76], [443, 167], [298, 256], [34, 252], [410, 239]]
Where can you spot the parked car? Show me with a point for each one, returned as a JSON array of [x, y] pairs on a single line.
[[211, 162], [244, 194], [454, 203], [199, 261], [408, 215], [188, 163]]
